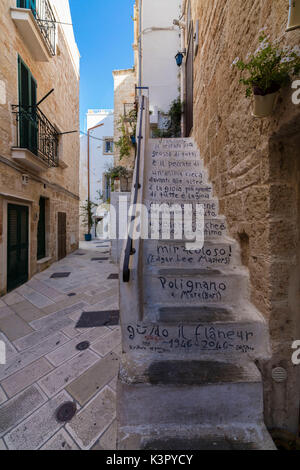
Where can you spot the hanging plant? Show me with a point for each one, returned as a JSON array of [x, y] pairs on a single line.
[[269, 69], [126, 140]]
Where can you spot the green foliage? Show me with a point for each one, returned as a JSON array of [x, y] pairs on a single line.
[[87, 214], [127, 127], [269, 68], [123, 143], [117, 172], [174, 127]]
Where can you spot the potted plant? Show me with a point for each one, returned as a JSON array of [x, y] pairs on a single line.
[[294, 15], [269, 69], [87, 217], [117, 175]]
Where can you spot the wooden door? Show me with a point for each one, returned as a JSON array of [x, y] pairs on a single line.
[[17, 245], [62, 234], [41, 232]]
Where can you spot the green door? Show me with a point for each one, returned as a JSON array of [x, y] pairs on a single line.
[[17, 245], [27, 102], [41, 234]]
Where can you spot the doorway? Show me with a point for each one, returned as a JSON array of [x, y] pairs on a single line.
[[41, 233], [61, 235], [17, 245]]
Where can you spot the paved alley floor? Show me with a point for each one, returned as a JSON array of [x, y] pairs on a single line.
[[44, 369]]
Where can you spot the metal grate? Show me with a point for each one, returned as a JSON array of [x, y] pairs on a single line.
[[36, 133]]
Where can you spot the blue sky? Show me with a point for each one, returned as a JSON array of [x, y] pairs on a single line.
[[104, 34]]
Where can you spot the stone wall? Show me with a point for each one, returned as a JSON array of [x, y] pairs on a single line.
[[59, 185], [254, 166], [124, 92]]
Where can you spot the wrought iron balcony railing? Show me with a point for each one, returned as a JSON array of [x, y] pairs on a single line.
[[36, 133], [45, 19]]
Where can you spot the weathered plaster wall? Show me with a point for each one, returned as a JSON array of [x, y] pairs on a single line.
[[254, 166]]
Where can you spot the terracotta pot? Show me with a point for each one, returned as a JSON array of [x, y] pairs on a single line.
[[294, 15], [264, 104]]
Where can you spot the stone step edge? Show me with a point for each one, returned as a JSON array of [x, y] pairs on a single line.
[[187, 372], [252, 435]]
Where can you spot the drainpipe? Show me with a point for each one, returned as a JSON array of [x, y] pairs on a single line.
[[88, 166], [140, 46]]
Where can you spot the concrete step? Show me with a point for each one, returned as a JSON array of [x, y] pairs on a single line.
[[189, 286], [213, 229], [207, 332], [172, 144], [175, 254], [211, 208], [178, 176], [178, 194], [252, 436], [180, 392]]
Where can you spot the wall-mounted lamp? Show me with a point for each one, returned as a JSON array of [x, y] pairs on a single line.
[[179, 58], [181, 24], [294, 15]]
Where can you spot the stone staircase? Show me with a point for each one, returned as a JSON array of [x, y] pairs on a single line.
[[188, 379]]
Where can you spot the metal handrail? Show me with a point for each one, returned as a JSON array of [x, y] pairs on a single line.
[[129, 250], [36, 133]]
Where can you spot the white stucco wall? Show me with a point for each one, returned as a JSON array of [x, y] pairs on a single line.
[[160, 44], [99, 161], [62, 13]]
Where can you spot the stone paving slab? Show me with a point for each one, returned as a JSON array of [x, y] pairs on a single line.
[[109, 342], [42, 288], [10, 349], [16, 409], [72, 331], [27, 311], [109, 439], [37, 337], [38, 300], [93, 420], [14, 327], [2, 445], [60, 441], [13, 298], [38, 428], [50, 320], [3, 397], [94, 379], [60, 305], [68, 350], [69, 371], [25, 377], [2, 304], [21, 360], [5, 311]]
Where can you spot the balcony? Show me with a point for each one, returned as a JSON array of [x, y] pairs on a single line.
[[36, 24], [37, 140]]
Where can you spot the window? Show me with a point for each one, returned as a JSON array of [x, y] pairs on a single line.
[[29, 4], [108, 146], [27, 104]]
